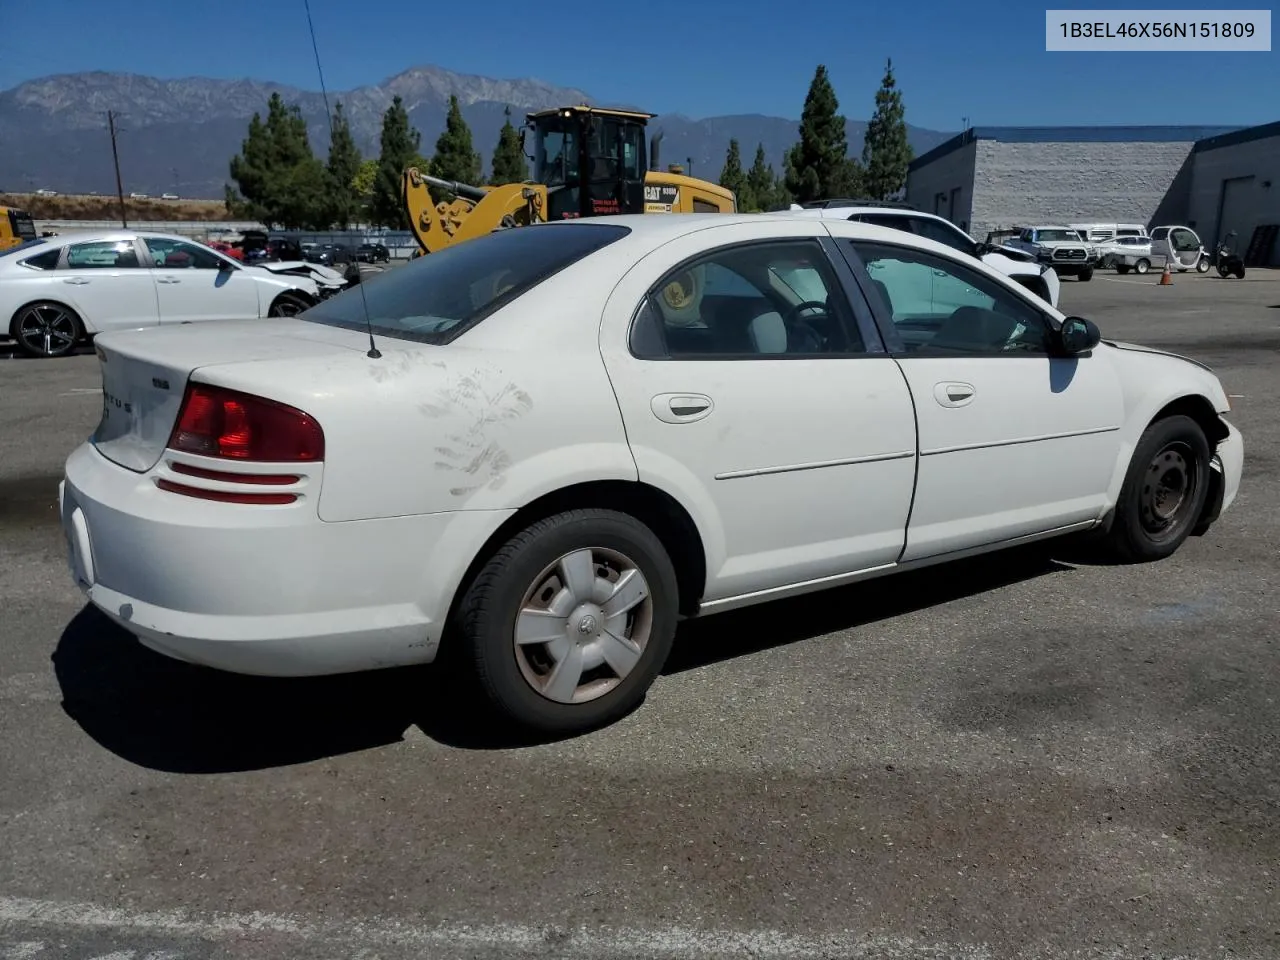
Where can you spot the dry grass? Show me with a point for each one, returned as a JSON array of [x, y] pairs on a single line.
[[84, 207]]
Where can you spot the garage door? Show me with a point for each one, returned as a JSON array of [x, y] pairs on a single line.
[[1235, 212]]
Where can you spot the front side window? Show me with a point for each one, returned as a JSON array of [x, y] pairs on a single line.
[[433, 299], [103, 255], [760, 300], [938, 305], [180, 255]]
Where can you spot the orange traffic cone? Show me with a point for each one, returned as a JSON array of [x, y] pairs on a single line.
[[1166, 278]]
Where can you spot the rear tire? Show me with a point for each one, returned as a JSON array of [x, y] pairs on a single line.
[[538, 626], [1122, 268], [1163, 493], [45, 329], [1142, 266]]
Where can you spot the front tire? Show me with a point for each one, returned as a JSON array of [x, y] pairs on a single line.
[[1163, 494], [1085, 275], [1202, 265], [46, 329], [568, 623], [287, 305]]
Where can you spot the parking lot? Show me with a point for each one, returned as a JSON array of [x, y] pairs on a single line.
[[1010, 757]]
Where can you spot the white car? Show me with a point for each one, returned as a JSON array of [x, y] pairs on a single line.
[[1022, 267], [56, 291], [540, 449], [1124, 252]]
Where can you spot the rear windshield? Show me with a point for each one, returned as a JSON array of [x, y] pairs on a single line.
[[434, 298]]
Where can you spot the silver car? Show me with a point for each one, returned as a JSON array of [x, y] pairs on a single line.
[[1111, 251]]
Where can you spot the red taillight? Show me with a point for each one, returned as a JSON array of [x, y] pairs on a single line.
[[215, 422]]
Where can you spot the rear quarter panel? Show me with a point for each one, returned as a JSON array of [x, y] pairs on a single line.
[[429, 429]]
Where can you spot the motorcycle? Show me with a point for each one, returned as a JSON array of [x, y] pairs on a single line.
[[1227, 260]]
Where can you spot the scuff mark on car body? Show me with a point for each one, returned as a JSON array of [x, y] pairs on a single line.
[[473, 450]]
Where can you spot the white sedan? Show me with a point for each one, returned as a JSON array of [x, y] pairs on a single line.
[[54, 292], [542, 448]]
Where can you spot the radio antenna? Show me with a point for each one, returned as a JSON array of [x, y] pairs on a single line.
[[373, 353]]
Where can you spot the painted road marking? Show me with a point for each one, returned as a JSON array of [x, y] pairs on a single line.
[[81, 392], [393, 933]]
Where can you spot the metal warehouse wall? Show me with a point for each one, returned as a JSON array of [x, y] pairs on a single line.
[[1240, 182], [945, 187], [1025, 184]]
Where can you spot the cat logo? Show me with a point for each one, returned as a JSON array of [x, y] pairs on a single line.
[[664, 198]]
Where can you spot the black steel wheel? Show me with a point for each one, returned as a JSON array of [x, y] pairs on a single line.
[[1164, 491]]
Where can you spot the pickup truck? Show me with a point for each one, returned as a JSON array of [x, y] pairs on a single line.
[[1058, 247]]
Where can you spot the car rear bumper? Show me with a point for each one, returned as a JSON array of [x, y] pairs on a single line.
[[261, 589]]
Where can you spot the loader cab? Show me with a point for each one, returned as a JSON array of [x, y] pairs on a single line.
[[592, 161], [16, 227]]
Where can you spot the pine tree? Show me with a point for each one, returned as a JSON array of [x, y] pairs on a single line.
[[281, 180], [733, 178], [455, 157], [763, 190], [342, 167], [817, 166], [509, 164], [399, 146], [885, 151]]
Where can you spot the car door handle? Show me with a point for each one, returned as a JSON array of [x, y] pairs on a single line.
[[76, 280], [681, 407], [953, 393], [167, 280]]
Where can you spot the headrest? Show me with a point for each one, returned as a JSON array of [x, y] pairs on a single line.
[[768, 333]]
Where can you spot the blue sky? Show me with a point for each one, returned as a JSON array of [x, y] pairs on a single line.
[[982, 60]]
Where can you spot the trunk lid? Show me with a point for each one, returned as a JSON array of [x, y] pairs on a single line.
[[145, 373]]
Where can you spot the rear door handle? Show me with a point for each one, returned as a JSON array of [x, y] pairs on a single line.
[[76, 280], [953, 393], [681, 407], [167, 280]]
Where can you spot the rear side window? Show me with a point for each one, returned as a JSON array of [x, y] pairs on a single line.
[[437, 297], [44, 261]]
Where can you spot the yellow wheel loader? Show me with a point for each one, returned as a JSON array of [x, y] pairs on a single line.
[[588, 162]]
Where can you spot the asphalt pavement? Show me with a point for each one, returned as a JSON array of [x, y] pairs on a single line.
[[1009, 757]]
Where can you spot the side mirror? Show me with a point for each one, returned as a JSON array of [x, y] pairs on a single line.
[[1078, 335], [224, 266]]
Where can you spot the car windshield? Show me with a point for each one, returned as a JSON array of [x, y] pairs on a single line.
[[436, 297], [1056, 235]]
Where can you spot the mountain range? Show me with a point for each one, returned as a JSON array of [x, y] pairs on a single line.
[[179, 135]]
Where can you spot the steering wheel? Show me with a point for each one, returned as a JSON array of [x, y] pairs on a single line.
[[792, 320]]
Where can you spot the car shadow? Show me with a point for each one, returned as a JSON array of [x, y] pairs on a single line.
[[160, 713], [735, 633]]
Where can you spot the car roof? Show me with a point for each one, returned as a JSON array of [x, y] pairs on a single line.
[[853, 209], [650, 231]]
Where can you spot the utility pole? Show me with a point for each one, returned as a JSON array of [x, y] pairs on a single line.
[[115, 156]]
